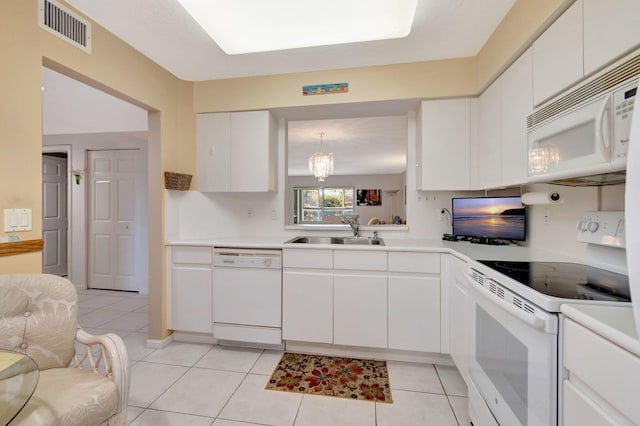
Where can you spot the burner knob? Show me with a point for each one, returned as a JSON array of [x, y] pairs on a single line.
[[583, 225], [593, 226]]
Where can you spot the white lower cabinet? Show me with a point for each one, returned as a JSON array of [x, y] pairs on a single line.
[[307, 306], [365, 298], [602, 379], [580, 410], [190, 289], [414, 305], [414, 313], [360, 310]]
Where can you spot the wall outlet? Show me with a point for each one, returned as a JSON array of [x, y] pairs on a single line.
[[547, 216], [273, 214], [443, 215], [250, 211]]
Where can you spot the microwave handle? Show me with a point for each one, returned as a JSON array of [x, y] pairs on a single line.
[[602, 122]]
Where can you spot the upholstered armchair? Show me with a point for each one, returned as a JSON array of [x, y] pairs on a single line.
[[83, 379]]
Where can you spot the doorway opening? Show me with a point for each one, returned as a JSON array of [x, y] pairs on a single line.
[[83, 120]]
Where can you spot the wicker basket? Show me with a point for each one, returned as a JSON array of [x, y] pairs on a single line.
[[177, 181]]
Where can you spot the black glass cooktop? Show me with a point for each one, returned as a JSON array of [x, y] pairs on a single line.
[[566, 280]]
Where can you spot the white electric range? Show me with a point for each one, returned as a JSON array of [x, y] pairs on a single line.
[[514, 322]]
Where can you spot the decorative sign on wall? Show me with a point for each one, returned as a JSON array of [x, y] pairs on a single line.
[[369, 197], [325, 89]]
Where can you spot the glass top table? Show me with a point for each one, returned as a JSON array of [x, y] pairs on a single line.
[[18, 379]]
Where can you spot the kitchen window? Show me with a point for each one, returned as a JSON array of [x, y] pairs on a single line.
[[322, 205]]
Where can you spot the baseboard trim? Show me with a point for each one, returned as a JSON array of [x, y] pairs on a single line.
[[369, 353], [184, 336], [252, 345], [159, 343]]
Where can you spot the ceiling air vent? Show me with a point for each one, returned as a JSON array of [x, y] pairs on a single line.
[[65, 24]]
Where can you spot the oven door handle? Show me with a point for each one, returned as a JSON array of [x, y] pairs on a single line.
[[533, 321]]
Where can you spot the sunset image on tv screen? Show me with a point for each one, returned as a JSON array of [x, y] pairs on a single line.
[[497, 217]]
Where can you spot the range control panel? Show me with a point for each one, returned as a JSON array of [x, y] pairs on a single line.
[[604, 228]]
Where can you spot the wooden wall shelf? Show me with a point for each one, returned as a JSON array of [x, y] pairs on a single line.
[[20, 247]]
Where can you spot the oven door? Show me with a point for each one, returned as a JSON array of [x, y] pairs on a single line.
[[513, 358]]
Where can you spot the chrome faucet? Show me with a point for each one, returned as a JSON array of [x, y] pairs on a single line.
[[353, 223]]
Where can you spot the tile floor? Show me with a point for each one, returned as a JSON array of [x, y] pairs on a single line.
[[200, 384]]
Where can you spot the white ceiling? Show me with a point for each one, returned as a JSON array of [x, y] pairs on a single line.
[[163, 31], [366, 138]]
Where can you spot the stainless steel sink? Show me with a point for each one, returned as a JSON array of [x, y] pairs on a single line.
[[338, 240]]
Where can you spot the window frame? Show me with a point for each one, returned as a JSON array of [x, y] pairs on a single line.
[[322, 209]]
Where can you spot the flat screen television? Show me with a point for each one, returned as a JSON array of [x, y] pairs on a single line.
[[502, 218]]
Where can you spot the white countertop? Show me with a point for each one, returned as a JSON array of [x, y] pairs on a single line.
[[462, 249], [614, 323]]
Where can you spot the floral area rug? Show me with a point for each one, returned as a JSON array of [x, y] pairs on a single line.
[[325, 375]]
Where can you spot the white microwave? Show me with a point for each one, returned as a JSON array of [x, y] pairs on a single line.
[[588, 138]]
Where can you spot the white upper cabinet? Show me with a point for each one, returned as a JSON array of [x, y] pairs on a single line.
[[517, 104], [237, 152], [500, 150], [443, 154], [588, 36], [611, 28], [558, 56], [489, 157], [213, 133]]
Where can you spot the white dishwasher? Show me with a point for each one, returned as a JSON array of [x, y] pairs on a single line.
[[247, 295]]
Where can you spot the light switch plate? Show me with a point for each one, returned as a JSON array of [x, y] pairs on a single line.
[[17, 220]]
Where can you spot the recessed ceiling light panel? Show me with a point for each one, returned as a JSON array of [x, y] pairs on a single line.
[[249, 26]]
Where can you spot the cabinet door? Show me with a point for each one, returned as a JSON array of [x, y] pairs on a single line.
[[251, 152], [517, 104], [444, 141], [213, 154], [307, 258], [578, 409], [368, 260], [489, 133], [414, 313], [458, 317], [191, 299], [610, 30], [360, 310], [617, 381], [558, 55], [307, 306]]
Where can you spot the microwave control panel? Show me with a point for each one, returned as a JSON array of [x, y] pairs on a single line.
[[623, 101]]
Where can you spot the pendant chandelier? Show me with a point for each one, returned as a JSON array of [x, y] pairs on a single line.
[[321, 164]]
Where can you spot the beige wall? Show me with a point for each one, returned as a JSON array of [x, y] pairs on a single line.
[[419, 80], [120, 70], [113, 67], [438, 79]]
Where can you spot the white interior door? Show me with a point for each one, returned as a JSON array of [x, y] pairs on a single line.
[[113, 224], [54, 215]]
